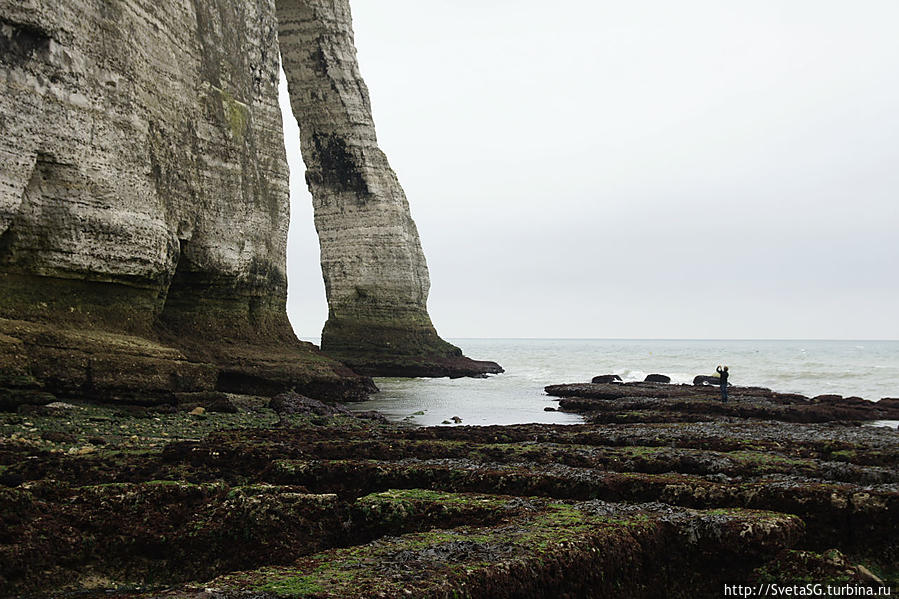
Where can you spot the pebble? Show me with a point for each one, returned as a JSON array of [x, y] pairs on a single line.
[[867, 576], [81, 450], [61, 405]]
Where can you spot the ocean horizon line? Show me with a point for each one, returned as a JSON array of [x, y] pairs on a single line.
[[664, 339], [792, 339]]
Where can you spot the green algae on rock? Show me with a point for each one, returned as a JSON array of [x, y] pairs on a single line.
[[339, 506]]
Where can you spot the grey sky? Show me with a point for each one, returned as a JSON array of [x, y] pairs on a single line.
[[654, 169]]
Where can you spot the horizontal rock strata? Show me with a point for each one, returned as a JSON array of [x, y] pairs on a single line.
[[144, 201], [643, 402], [287, 505], [376, 277]]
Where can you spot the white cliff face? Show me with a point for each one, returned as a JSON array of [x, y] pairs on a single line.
[[142, 137], [376, 276], [144, 194], [144, 187]]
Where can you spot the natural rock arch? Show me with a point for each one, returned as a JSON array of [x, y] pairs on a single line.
[[376, 275], [144, 203]]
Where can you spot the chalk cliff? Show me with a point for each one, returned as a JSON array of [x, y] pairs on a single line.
[[376, 277], [144, 202]]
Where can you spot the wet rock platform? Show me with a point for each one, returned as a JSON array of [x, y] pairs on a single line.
[[111, 501]]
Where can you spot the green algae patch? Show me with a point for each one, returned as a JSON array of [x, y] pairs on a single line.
[[293, 586], [159, 532], [768, 459], [648, 459], [395, 511], [465, 561], [236, 114], [393, 496], [530, 553], [845, 455], [800, 566]]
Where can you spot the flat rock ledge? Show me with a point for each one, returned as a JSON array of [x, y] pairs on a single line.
[[261, 501], [659, 402], [42, 361], [433, 366]]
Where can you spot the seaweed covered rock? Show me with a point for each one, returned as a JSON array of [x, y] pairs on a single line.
[[332, 506], [293, 403], [647, 402]]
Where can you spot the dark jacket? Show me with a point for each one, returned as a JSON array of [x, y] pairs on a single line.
[[724, 375]]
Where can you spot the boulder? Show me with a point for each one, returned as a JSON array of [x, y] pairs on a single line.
[[372, 415], [606, 378], [292, 403], [657, 378]]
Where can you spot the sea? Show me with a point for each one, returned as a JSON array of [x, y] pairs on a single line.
[[867, 369]]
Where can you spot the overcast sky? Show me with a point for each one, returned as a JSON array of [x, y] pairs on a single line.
[[644, 169]]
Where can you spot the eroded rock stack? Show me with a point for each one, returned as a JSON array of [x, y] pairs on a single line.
[[144, 200], [376, 277]]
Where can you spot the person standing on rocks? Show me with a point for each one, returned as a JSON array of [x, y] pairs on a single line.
[[722, 372]]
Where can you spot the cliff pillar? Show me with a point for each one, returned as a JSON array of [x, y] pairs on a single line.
[[376, 276]]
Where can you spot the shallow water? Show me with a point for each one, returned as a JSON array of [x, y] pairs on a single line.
[[868, 369]]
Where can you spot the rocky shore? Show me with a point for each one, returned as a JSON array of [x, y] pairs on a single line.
[[152, 439], [660, 402], [663, 492]]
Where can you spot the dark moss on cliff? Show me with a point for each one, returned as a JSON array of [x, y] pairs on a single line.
[[398, 347]]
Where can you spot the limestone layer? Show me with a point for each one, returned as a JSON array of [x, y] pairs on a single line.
[[144, 199], [376, 276]]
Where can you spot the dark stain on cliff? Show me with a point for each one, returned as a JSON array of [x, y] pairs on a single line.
[[7, 241], [20, 41], [339, 170], [211, 63], [319, 62]]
